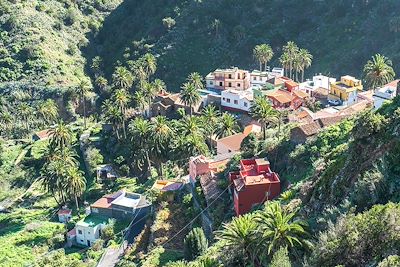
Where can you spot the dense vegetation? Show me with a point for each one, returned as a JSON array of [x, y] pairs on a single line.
[[210, 34]]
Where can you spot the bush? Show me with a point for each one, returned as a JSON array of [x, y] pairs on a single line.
[[108, 231], [281, 258], [195, 244]]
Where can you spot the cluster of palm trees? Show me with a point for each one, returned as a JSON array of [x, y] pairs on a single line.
[[294, 60], [158, 140], [253, 238], [18, 118], [61, 176]]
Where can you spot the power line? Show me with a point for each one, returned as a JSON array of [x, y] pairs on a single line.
[[198, 215]]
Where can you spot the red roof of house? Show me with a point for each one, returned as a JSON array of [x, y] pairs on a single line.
[[291, 83], [43, 134], [64, 212], [72, 232], [105, 201], [281, 96]]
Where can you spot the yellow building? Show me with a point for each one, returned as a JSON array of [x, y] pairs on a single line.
[[345, 90]]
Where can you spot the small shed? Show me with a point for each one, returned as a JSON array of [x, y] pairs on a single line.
[[41, 135], [64, 215], [71, 237], [106, 172]]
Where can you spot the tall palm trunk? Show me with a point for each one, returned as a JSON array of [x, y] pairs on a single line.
[[265, 66], [76, 203], [264, 128], [84, 111], [123, 121], [302, 75], [260, 66], [190, 110]]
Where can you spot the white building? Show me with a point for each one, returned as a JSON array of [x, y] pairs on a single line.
[[318, 81], [237, 100], [387, 92], [89, 229], [259, 78]]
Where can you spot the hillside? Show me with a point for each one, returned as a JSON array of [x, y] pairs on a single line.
[[40, 41], [341, 35]]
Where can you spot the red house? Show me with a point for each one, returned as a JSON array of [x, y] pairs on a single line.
[[253, 184], [282, 99]]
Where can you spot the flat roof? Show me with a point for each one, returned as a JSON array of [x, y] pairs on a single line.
[[92, 220], [126, 201]]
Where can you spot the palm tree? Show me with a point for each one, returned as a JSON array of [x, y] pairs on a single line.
[[149, 64], [262, 111], [101, 83], [122, 78], [284, 60], [140, 101], [190, 125], [216, 24], [6, 120], [378, 71], [48, 110], [196, 79], [82, 89], [190, 96], [281, 228], [122, 99], [149, 91], [210, 120], [60, 136], [139, 129], [305, 61], [263, 53], [159, 86], [290, 49], [113, 115], [241, 237], [227, 125], [25, 111], [75, 184], [161, 133]]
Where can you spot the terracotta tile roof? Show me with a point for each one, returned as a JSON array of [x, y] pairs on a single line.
[[233, 141], [321, 91], [43, 134], [72, 232], [165, 186], [292, 83], [251, 128], [300, 94], [209, 183], [281, 96], [312, 128], [64, 212], [392, 83], [105, 201]]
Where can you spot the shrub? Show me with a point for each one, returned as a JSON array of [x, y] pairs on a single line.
[[281, 258], [108, 231], [195, 244]]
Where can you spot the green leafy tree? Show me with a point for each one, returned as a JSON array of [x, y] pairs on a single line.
[[378, 71], [161, 133], [48, 110], [195, 243], [168, 22]]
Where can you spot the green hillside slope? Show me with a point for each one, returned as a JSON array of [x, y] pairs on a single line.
[[40, 41], [341, 35]]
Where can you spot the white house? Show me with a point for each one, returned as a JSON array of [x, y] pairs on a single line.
[[259, 78], [387, 92], [89, 229], [235, 100], [318, 81]]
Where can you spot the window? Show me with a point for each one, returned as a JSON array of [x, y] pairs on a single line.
[[245, 104], [230, 76], [80, 232], [235, 102], [255, 78], [220, 84], [211, 83], [229, 84], [238, 85], [88, 232], [95, 210], [228, 100], [223, 99]]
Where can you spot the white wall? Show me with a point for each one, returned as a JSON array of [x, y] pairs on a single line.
[[235, 100], [87, 234]]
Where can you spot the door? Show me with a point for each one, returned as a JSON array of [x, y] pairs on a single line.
[[88, 243]]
